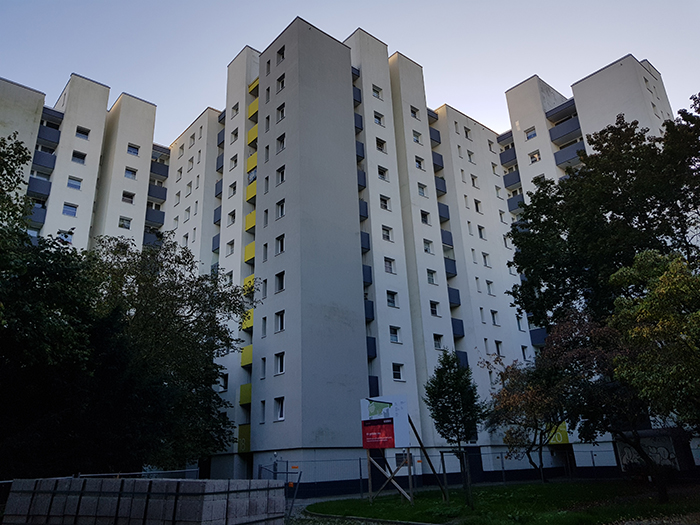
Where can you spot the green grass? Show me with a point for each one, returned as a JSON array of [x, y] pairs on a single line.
[[535, 504]]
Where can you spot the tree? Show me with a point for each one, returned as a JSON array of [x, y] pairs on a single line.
[[453, 402]]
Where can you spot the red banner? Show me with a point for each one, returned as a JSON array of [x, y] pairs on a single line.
[[378, 433]]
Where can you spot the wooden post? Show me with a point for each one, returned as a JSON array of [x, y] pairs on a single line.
[[410, 476], [369, 477]]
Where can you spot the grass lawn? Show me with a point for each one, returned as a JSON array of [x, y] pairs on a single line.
[[580, 503]]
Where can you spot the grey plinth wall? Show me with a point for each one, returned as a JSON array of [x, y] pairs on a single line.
[[94, 501]]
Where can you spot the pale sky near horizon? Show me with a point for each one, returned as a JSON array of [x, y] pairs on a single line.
[[175, 53]]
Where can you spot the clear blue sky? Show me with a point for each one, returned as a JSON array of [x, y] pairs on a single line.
[[175, 53]]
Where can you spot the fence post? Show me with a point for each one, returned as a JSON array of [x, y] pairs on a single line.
[[359, 464], [503, 469]]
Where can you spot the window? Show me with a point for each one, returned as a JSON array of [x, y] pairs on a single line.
[[434, 309], [383, 173], [230, 247], [232, 188], [280, 55], [498, 192], [482, 232], [194, 234], [427, 246], [265, 218], [391, 299], [534, 157], [475, 181], [459, 151], [280, 209], [267, 122], [280, 175], [231, 218], [489, 287], [262, 412], [132, 149], [187, 214], [127, 197], [233, 162], [82, 133], [519, 322], [189, 189], [279, 408], [530, 133], [494, 317], [74, 183], [263, 367], [196, 184], [505, 242], [437, 341], [279, 321], [417, 137], [456, 127], [397, 371], [523, 351], [394, 334], [279, 245], [267, 68], [432, 277], [470, 156], [179, 175], [185, 240], [263, 290], [414, 112], [377, 92], [234, 135], [491, 146], [190, 164], [234, 110], [279, 363], [420, 163], [381, 145], [280, 83], [191, 141], [279, 282], [387, 233], [502, 216], [424, 217], [486, 259], [177, 198], [483, 319], [263, 327], [176, 222], [378, 118], [264, 252], [70, 209], [125, 222], [477, 206], [181, 151], [130, 173], [422, 190], [389, 265], [79, 157], [494, 169], [384, 202], [280, 113], [467, 133], [200, 132], [473, 255], [478, 284], [281, 143]]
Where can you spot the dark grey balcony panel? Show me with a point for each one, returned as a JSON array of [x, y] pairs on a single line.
[[505, 138], [435, 138], [569, 155], [508, 157], [537, 336], [371, 347], [218, 188], [446, 237], [440, 186], [220, 137], [361, 180], [157, 193], [159, 169], [463, 359], [457, 328], [373, 386], [215, 241], [43, 162], [565, 132], [217, 215], [450, 267], [37, 217], [38, 188], [150, 238], [222, 116], [364, 210], [356, 96], [438, 162], [366, 274], [159, 150], [51, 115], [355, 73], [358, 123], [443, 212], [453, 294], [155, 218], [432, 116], [369, 311], [514, 202], [566, 109], [364, 241], [359, 150], [220, 163], [511, 179], [48, 136]]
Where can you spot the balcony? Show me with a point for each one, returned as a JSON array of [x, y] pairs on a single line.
[[249, 253], [463, 359], [248, 323], [252, 135], [361, 180], [565, 132], [450, 267], [355, 73], [369, 311], [157, 193], [373, 386], [366, 274], [432, 116], [52, 115], [537, 336], [371, 347], [438, 162], [359, 151], [243, 438], [508, 158], [505, 138], [364, 210], [569, 155], [154, 218], [251, 162], [220, 136], [434, 137], [159, 169], [457, 328], [150, 238], [215, 242], [453, 294], [247, 355], [218, 188], [443, 212], [43, 162], [222, 116], [48, 136], [220, 163], [245, 394], [252, 87], [251, 191], [249, 282], [364, 241], [356, 96], [250, 221], [440, 186], [446, 237], [37, 217], [358, 123], [562, 111], [38, 188], [217, 215], [514, 202], [511, 179], [253, 110]]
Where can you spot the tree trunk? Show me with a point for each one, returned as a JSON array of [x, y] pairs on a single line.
[[658, 475]]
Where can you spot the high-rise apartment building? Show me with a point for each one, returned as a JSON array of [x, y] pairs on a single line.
[[375, 227]]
